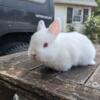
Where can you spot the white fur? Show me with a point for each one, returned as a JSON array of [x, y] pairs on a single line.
[[64, 51]]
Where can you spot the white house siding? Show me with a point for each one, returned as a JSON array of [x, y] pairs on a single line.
[[61, 12], [91, 3], [79, 26]]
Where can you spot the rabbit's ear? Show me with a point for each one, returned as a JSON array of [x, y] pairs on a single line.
[[55, 27], [41, 25]]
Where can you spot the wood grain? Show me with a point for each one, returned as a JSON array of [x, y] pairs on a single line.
[[18, 72]]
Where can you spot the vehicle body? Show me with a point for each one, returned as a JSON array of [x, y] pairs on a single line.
[[18, 20]]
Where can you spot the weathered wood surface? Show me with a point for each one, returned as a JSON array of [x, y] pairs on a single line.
[[24, 76]]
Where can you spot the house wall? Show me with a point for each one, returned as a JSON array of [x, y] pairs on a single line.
[[61, 12]]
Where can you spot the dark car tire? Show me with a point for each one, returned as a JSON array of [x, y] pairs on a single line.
[[14, 45]]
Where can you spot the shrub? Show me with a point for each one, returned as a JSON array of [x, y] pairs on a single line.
[[92, 28], [70, 28]]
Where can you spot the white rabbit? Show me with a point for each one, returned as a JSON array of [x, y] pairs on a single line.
[[58, 50]]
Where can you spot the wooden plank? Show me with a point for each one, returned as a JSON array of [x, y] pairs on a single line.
[[78, 74], [17, 64], [30, 76], [8, 88], [18, 60], [59, 90], [74, 91], [94, 80], [53, 89]]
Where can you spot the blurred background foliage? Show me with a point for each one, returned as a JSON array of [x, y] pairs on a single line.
[[92, 25], [92, 28]]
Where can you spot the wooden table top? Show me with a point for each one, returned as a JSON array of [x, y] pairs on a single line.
[[79, 83]]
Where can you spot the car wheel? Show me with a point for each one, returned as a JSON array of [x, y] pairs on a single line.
[[14, 47], [14, 44]]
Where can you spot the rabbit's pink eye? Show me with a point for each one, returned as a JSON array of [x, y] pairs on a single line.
[[45, 45]]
